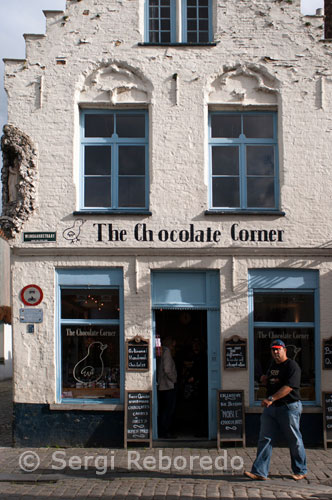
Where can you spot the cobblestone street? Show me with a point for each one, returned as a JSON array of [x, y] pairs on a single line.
[[157, 473]]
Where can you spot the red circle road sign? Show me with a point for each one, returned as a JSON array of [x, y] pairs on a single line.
[[32, 295]]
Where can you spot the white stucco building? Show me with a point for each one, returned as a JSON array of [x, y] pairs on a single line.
[[166, 172]]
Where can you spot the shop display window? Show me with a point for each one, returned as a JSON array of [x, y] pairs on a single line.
[[90, 343], [243, 161], [164, 21], [289, 316], [114, 160]]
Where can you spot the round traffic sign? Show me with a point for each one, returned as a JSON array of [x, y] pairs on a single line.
[[32, 295]]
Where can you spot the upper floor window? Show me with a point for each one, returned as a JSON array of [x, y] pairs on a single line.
[[183, 21], [114, 159], [243, 160]]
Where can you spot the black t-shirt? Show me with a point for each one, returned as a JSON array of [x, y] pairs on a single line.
[[286, 373]]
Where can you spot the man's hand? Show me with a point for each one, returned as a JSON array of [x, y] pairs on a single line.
[[266, 403]]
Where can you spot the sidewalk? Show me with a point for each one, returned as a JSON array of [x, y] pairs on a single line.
[[141, 473]]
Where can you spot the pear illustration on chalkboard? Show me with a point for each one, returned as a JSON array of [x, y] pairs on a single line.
[[91, 367]]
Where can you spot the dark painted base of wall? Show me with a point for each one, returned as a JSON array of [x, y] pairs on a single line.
[[311, 428], [35, 425]]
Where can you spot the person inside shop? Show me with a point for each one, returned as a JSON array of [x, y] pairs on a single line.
[[167, 378], [282, 412]]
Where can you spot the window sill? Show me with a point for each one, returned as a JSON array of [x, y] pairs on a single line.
[[274, 213], [112, 212], [87, 406], [177, 44]]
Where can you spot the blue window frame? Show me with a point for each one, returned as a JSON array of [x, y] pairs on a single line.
[[285, 304], [243, 161], [89, 343], [114, 160], [163, 21]]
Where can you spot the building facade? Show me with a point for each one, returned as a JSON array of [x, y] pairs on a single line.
[[5, 311], [166, 173]]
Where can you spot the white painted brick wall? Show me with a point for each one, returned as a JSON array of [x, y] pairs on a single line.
[[269, 36]]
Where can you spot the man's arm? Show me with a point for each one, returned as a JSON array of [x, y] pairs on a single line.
[[281, 393]]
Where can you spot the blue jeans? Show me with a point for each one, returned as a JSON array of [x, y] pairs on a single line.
[[285, 418]]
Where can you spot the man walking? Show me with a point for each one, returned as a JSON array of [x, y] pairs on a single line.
[[282, 412]]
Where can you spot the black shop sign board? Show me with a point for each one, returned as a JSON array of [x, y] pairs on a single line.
[[137, 354], [327, 354], [327, 418], [235, 353], [231, 422], [138, 417]]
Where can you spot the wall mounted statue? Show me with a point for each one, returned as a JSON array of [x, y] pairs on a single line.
[[18, 179]]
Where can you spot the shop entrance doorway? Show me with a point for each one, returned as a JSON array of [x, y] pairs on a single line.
[[188, 329], [186, 306]]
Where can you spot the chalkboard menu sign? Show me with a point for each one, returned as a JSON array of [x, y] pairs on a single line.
[[327, 417], [138, 417], [327, 354], [137, 354], [231, 423], [235, 353]]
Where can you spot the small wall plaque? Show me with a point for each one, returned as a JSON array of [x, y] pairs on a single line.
[[28, 315]]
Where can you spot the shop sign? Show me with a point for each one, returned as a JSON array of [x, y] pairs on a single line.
[[189, 234], [138, 417], [31, 295], [327, 354], [39, 237], [28, 315], [137, 354], [231, 425], [327, 417], [235, 353]]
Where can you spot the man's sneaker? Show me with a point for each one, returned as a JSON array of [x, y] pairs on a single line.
[[255, 477], [298, 477]]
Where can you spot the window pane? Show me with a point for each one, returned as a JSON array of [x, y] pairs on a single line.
[[203, 13], [165, 37], [203, 25], [99, 125], [191, 13], [225, 160], [165, 24], [130, 125], [131, 160], [260, 192], [203, 3], [191, 3], [132, 192], [97, 192], [98, 160], [154, 37], [225, 125], [192, 36], [165, 12], [154, 24], [284, 307], [89, 303], [203, 36], [225, 192], [90, 361], [258, 126], [192, 25], [300, 347], [260, 160]]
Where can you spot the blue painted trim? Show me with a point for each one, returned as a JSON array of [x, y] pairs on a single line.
[[114, 143], [88, 278], [184, 16], [284, 281], [147, 23], [242, 142]]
